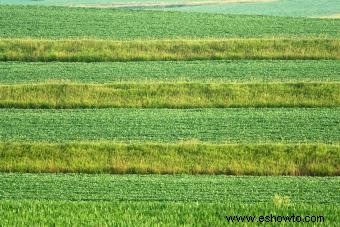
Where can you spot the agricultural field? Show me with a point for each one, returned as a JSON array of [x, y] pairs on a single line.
[[169, 112]]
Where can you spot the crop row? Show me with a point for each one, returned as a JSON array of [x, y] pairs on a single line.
[[190, 71], [170, 95], [61, 22], [87, 50], [171, 188], [188, 158], [286, 125]]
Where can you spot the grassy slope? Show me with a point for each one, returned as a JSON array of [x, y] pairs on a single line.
[[155, 50], [216, 125], [203, 71], [59, 22], [188, 158], [170, 95], [53, 213]]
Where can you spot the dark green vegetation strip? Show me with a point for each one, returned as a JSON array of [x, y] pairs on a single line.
[[171, 188], [188, 158], [59, 22], [65, 213], [153, 50], [170, 95], [152, 71], [288, 125]]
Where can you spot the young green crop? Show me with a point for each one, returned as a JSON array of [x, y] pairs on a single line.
[[163, 158], [268, 125], [61, 22], [241, 71], [168, 188]]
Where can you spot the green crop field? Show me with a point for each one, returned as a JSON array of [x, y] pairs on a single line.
[[59, 22], [169, 112], [245, 71], [283, 125]]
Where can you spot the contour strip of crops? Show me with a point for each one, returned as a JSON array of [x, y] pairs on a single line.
[[240, 71], [270, 125]]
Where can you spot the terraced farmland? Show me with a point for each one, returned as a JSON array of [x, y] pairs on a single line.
[[142, 116]]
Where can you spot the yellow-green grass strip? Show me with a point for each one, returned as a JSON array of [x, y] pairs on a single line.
[[87, 50], [169, 95], [171, 158]]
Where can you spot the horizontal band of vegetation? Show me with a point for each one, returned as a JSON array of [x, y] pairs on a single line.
[[297, 8], [230, 125], [61, 22], [65, 213], [168, 188], [189, 71], [170, 95], [154, 50], [184, 158]]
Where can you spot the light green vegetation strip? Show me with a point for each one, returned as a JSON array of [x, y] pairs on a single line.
[[168, 188], [305, 8], [61, 22], [296, 8], [153, 50], [170, 95], [282, 125], [154, 71], [188, 158], [65, 213]]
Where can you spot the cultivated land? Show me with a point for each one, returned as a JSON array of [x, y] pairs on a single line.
[[245, 71], [230, 125], [90, 92], [59, 22]]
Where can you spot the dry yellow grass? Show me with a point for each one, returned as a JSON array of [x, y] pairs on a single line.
[[334, 16]]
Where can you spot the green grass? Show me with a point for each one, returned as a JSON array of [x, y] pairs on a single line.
[[168, 71], [65, 213], [187, 158], [272, 125], [48, 199], [155, 50], [60, 22], [168, 188], [170, 95]]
